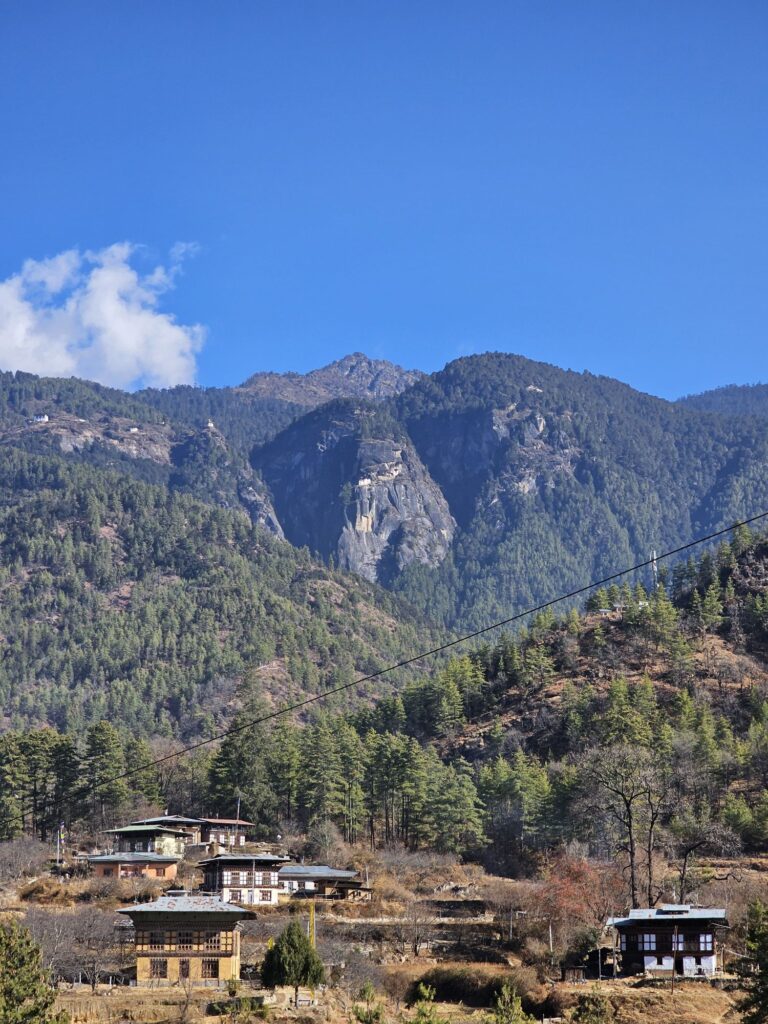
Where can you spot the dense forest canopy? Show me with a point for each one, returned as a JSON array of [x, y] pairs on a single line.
[[652, 700], [733, 400], [127, 602], [552, 477]]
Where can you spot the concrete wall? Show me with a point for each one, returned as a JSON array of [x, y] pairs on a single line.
[[165, 871]]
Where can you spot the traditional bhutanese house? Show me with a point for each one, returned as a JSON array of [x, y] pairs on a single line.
[[322, 881], [670, 938], [225, 831], [148, 839], [192, 827], [134, 865], [244, 878], [183, 936]]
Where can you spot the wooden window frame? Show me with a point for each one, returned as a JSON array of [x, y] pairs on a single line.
[[209, 969], [158, 968]]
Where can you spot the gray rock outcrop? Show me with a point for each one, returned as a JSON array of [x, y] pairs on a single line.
[[364, 498]]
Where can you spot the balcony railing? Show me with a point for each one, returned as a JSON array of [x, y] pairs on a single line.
[[666, 947]]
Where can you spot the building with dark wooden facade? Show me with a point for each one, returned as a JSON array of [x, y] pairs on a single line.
[[322, 881], [670, 939], [226, 832], [244, 878], [186, 937]]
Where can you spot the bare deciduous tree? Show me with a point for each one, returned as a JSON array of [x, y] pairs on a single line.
[[628, 785], [22, 857]]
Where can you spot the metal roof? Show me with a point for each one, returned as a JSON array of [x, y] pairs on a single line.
[[133, 858], [177, 819], [146, 828], [226, 821], [315, 871], [245, 858], [187, 903], [673, 913]]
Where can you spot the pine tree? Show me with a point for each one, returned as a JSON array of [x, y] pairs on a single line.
[[538, 667], [292, 961], [322, 782], [593, 1008], [371, 1011], [103, 766], [531, 794], [508, 1008], [283, 764], [147, 783], [712, 608], [616, 723], [754, 970], [14, 779], [239, 769], [426, 1011], [456, 807], [26, 996]]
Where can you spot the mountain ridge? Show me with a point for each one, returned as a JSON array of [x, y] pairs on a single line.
[[472, 491]]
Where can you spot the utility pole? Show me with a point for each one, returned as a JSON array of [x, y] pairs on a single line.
[[311, 929]]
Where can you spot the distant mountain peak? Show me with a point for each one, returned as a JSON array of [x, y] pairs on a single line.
[[353, 376]]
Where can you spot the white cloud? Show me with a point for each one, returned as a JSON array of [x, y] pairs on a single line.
[[94, 315]]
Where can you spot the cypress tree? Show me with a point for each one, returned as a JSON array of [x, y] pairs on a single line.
[[292, 961], [26, 996]]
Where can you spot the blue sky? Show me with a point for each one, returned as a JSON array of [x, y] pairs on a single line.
[[584, 183]]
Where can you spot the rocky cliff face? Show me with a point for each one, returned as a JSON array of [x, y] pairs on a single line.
[[359, 494], [479, 454], [205, 465], [59, 430], [354, 376]]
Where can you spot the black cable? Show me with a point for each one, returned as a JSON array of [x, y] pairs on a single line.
[[234, 730]]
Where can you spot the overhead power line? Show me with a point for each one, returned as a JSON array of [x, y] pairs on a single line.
[[359, 681], [298, 705]]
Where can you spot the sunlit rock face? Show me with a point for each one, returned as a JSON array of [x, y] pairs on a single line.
[[351, 486]]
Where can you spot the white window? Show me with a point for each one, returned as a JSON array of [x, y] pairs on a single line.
[[706, 943], [241, 840], [227, 878], [646, 941]]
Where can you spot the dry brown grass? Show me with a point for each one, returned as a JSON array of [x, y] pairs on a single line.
[[691, 1003]]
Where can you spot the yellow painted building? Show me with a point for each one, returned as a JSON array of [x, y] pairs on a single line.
[[183, 936]]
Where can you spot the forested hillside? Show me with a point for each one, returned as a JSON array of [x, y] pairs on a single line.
[[639, 732], [539, 479], [556, 478], [127, 602], [733, 400], [472, 493]]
